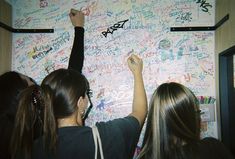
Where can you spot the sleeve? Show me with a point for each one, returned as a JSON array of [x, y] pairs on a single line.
[[77, 54], [119, 137]]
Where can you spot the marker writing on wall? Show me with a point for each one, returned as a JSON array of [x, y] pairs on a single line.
[[204, 5], [113, 28], [130, 52]]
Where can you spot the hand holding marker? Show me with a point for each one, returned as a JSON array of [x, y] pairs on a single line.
[[129, 54], [77, 18], [135, 64], [73, 12]]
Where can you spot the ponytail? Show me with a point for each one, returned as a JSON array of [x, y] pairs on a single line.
[[34, 118], [50, 124]]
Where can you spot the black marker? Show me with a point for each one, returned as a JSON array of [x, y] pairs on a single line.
[[129, 53], [73, 11], [132, 61]]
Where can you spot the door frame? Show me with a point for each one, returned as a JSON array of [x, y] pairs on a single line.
[[227, 98]]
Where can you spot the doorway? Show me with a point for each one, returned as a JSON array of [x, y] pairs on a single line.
[[227, 97]]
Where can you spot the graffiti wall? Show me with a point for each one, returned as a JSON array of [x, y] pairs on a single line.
[[114, 28]]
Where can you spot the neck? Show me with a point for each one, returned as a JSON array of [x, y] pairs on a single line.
[[70, 121]]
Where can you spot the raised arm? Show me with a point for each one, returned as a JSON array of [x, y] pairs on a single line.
[[139, 107], [77, 54]]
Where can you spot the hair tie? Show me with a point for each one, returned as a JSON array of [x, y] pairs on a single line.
[[37, 103], [36, 97]]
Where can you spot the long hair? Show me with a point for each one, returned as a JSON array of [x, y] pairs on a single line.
[[41, 106], [173, 121], [11, 84]]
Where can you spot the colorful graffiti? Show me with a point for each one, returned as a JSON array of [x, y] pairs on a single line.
[[138, 25]]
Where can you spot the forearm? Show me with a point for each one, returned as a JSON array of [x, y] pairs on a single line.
[[139, 107], [77, 54]]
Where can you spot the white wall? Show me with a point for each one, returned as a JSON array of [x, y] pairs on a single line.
[[185, 57]]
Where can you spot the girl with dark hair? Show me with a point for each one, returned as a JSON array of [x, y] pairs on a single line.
[[12, 83], [60, 104], [173, 127]]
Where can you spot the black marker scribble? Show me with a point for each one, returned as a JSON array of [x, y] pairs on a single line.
[[50, 68], [204, 5], [41, 54], [184, 17], [114, 27], [43, 3]]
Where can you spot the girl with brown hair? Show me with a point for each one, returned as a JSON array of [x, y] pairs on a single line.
[[58, 107], [173, 127]]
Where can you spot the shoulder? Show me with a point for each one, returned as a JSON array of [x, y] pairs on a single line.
[[125, 123], [74, 133], [124, 132], [210, 139], [72, 141], [211, 142], [213, 146]]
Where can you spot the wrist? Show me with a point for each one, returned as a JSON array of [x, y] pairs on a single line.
[[79, 26], [76, 28], [138, 75]]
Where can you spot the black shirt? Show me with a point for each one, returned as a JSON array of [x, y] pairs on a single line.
[[119, 138], [208, 148], [75, 62], [77, 54]]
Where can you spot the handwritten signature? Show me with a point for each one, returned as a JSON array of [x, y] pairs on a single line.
[[204, 5], [113, 28]]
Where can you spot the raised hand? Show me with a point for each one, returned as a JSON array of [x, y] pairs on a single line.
[[135, 64], [77, 18]]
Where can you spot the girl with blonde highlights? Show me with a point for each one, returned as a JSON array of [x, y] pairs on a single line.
[[173, 127]]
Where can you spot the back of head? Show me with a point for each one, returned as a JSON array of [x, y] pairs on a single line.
[[173, 122], [11, 84], [41, 106], [65, 87]]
